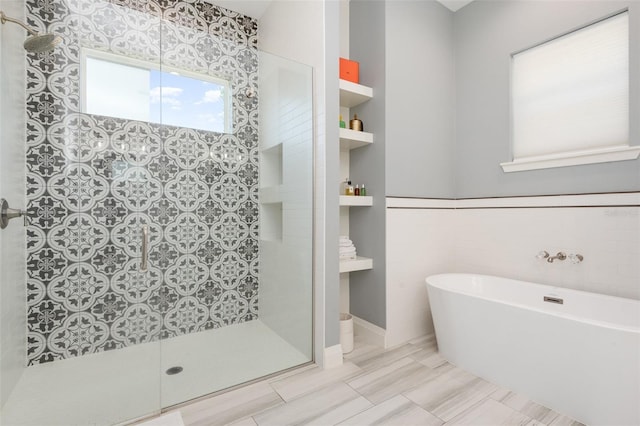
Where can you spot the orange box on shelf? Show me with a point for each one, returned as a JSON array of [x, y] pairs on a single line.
[[349, 70]]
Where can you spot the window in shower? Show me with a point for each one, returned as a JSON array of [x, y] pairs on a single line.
[[119, 86], [570, 98]]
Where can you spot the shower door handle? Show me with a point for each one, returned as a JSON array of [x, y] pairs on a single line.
[[145, 243]]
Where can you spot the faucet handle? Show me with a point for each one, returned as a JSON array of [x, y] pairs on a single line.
[[7, 213], [542, 255], [575, 258]]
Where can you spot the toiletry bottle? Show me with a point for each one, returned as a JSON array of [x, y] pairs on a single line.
[[349, 189], [342, 123], [343, 186], [363, 191], [356, 124], [357, 190]]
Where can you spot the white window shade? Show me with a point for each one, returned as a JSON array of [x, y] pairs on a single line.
[[571, 94]]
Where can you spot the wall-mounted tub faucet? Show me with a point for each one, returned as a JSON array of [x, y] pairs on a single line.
[[559, 256], [573, 258], [542, 255]]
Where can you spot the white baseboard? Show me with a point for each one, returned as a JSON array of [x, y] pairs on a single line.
[[332, 357], [369, 333]]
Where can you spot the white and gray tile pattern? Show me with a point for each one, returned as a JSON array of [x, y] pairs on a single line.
[[93, 181]]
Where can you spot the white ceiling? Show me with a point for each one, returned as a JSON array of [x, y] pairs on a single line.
[[256, 8]]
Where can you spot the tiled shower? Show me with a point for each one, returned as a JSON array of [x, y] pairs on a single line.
[[93, 181], [221, 210]]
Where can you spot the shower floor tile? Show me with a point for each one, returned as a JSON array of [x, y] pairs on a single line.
[[223, 358], [111, 387]]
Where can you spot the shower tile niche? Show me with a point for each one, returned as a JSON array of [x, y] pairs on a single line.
[[94, 181]]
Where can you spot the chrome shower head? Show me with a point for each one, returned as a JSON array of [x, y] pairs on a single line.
[[35, 43]]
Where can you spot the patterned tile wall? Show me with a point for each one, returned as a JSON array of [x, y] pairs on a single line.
[[93, 182]]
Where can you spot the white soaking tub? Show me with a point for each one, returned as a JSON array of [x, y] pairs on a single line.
[[580, 358]]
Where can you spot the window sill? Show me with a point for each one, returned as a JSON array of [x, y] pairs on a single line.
[[605, 155]]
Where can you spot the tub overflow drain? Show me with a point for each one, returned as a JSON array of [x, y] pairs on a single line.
[[174, 370]]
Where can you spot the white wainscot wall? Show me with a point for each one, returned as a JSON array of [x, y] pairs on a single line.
[[502, 237], [419, 244], [504, 242]]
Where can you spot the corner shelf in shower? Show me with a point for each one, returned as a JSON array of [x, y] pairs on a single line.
[[270, 198], [270, 194], [352, 139], [359, 264], [352, 200], [353, 94]]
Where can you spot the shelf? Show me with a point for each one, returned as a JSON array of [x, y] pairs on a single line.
[[356, 200], [353, 94], [352, 139], [270, 194], [359, 264]]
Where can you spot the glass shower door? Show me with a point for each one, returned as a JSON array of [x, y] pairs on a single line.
[[12, 174], [231, 313], [168, 185], [92, 351]]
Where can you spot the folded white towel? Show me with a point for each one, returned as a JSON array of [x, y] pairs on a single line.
[[346, 243], [347, 250]]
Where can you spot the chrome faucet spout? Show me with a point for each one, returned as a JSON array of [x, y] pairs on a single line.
[[559, 256]]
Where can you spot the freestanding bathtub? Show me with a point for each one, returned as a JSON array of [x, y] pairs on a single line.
[[580, 358]]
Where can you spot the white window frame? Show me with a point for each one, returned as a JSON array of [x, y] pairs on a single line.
[[573, 158], [148, 65]]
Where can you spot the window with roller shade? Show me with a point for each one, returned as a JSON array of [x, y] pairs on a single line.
[[570, 98]]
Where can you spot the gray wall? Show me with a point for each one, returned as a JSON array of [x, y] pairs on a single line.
[[366, 225], [405, 50], [420, 79], [486, 33], [440, 112]]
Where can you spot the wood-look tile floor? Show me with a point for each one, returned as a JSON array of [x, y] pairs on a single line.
[[408, 385]]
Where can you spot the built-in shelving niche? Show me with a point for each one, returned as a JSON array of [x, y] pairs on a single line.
[[352, 200], [352, 139], [271, 166], [270, 196], [353, 94], [271, 222], [358, 264]]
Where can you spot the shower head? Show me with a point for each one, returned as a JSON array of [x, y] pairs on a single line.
[[35, 43], [41, 43]]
